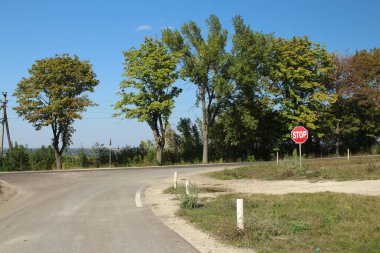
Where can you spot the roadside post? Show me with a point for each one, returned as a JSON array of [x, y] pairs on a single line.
[[187, 187], [277, 158], [239, 214], [299, 135], [348, 154], [175, 180]]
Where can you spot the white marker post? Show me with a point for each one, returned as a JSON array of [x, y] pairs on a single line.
[[240, 214], [277, 158], [175, 180], [187, 187], [348, 154]]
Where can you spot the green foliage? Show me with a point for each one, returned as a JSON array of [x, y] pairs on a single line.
[[375, 149], [299, 77], [53, 96], [17, 159], [149, 150], [204, 63], [190, 200], [252, 94], [190, 141], [83, 159], [99, 154], [42, 159], [245, 122], [299, 227], [357, 111], [147, 92]]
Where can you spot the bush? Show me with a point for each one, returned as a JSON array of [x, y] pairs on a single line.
[[375, 149], [17, 159], [42, 159], [100, 154], [149, 152], [83, 159], [190, 200], [128, 156]]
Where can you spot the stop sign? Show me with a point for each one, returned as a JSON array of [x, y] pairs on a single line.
[[299, 134]]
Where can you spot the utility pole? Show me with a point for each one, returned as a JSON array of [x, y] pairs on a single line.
[[4, 123]]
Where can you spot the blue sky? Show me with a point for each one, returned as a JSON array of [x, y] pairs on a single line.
[[99, 31]]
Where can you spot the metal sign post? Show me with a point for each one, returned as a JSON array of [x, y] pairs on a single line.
[[300, 156], [299, 135]]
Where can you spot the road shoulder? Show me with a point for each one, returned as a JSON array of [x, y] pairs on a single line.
[[6, 192], [165, 207]]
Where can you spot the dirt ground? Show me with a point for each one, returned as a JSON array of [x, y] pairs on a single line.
[[6, 192], [165, 206]]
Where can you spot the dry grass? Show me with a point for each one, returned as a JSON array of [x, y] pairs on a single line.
[[313, 169], [328, 222]]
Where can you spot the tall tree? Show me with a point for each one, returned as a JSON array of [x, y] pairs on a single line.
[[357, 110], [204, 64], [148, 92], [54, 96], [300, 78], [250, 109]]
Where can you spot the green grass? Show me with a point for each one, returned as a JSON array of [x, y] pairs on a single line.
[[313, 169], [330, 222]]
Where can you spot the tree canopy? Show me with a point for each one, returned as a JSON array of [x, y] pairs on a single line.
[[148, 92], [55, 95], [204, 63]]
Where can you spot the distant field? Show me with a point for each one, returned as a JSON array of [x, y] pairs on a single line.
[[312, 169], [317, 222]]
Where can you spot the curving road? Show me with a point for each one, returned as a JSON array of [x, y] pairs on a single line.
[[87, 212]]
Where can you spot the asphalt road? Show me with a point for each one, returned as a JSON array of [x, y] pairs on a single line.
[[86, 211]]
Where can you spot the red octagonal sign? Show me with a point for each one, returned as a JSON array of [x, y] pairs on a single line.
[[299, 134]]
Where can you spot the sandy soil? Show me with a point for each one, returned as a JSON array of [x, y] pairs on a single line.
[[165, 207], [6, 192]]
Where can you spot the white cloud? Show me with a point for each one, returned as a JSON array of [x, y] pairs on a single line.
[[143, 28]]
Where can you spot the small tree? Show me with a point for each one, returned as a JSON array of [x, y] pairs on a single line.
[[53, 96], [147, 93]]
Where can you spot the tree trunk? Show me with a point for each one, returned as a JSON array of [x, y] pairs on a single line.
[[159, 138], [58, 159], [159, 155], [204, 126]]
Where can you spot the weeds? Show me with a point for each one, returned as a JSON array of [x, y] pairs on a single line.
[[302, 222], [356, 169], [189, 200]]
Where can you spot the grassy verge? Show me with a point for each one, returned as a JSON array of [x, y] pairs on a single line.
[[318, 222], [338, 169], [171, 190]]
